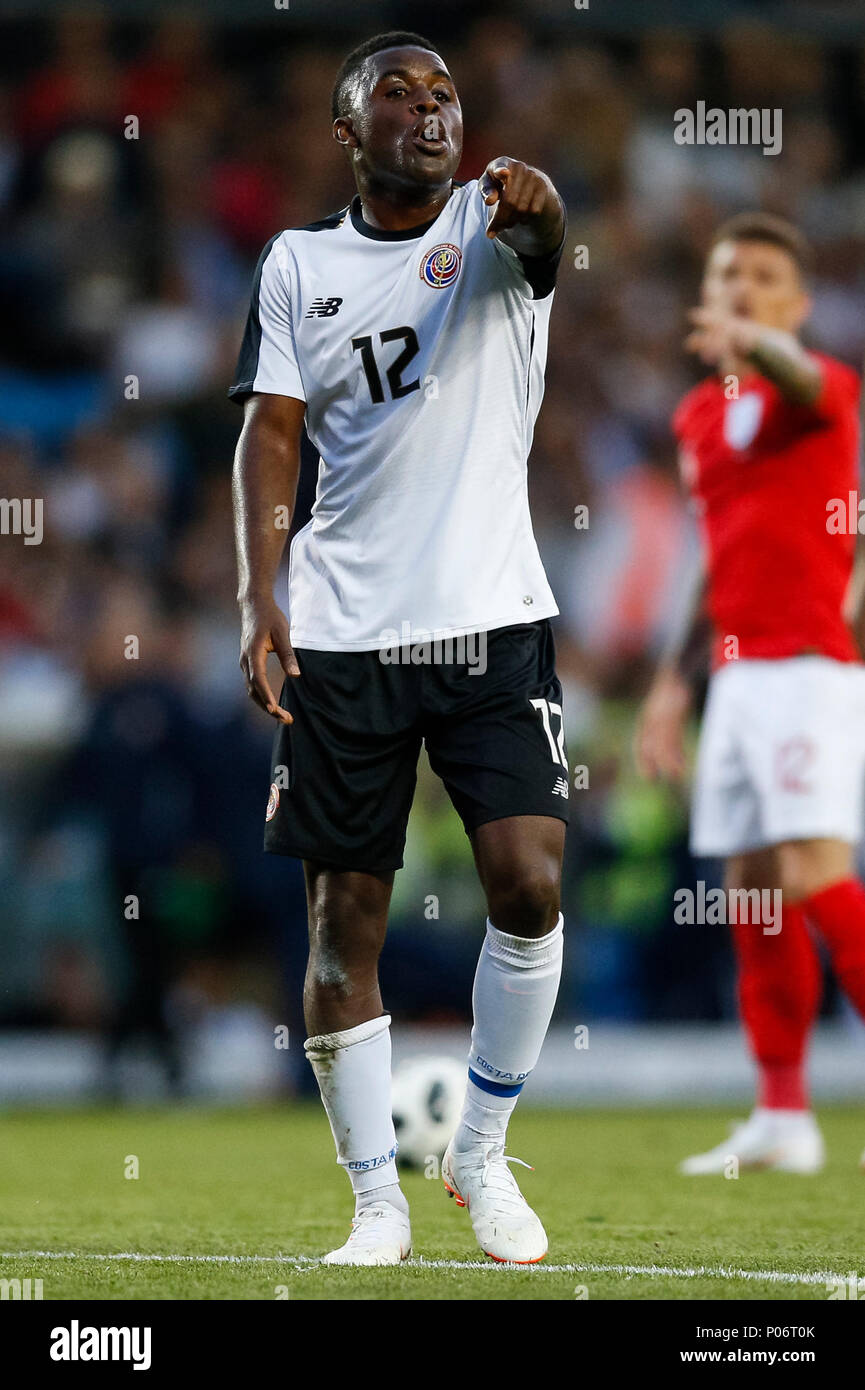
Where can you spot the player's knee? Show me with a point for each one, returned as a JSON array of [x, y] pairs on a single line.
[[758, 869], [525, 901], [807, 866]]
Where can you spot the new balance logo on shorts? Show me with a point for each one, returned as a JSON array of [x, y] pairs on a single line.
[[561, 787], [323, 308]]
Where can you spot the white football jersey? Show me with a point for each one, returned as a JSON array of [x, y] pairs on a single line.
[[420, 356]]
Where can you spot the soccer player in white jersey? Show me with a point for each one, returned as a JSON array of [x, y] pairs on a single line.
[[408, 333]]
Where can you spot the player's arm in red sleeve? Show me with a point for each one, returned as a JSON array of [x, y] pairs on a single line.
[[266, 469], [839, 388]]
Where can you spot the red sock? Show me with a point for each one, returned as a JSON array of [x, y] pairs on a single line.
[[838, 913], [780, 984]]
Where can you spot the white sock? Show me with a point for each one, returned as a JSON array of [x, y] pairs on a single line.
[[804, 1118], [393, 1194], [514, 994], [352, 1069]]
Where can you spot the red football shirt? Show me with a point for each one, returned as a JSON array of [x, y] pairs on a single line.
[[763, 474]]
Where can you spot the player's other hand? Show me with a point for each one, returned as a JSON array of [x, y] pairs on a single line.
[[264, 629], [518, 192], [659, 743], [716, 335]]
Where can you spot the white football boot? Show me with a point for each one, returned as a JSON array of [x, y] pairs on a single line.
[[380, 1235], [506, 1227], [786, 1141]]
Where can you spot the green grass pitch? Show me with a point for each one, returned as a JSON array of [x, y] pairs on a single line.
[[262, 1184]]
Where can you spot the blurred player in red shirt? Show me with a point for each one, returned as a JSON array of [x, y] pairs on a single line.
[[769, 451]]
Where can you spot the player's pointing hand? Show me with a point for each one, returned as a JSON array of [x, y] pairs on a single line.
[[716, 335], [521, 195]]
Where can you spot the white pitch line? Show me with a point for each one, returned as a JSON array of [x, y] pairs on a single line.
[[774, 1276]]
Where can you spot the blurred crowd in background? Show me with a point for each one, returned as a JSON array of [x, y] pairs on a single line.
[[125, 271]]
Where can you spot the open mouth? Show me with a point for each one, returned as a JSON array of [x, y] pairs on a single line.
[[436, 147], [426, 138]]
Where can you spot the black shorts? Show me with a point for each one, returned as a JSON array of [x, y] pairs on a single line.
[[343, 774]]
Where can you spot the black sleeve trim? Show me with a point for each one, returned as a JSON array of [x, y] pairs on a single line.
[[541, 271], [247, 361]]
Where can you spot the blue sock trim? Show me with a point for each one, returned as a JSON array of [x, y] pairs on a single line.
[[495, 1088]]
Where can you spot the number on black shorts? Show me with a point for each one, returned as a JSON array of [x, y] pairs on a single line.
[[557, 743]]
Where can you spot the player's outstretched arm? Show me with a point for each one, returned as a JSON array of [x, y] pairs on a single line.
[[717, 337], [529, 214], [264, 486]]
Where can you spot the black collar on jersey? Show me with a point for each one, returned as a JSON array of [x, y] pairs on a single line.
[[379, 233]]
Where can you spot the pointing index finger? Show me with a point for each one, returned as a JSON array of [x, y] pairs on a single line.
[[494, 178]]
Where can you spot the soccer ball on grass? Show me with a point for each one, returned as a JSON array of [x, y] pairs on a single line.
[[427, 1097]]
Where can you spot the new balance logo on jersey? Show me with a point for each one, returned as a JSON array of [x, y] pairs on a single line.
[[323, 308], [561, 787]]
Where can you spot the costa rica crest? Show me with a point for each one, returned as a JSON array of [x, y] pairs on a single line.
[[441, 266]]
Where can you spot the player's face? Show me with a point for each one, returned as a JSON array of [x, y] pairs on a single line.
[[756, 280], [407, 125]]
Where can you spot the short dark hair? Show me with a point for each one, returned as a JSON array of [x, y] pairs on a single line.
[[396, 38], [766, 227]]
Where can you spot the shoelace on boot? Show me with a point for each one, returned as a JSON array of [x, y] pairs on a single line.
[[496, 1176], [365, 1216]]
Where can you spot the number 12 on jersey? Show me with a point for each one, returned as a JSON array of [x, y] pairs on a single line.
[[398, 387], [557, 743]]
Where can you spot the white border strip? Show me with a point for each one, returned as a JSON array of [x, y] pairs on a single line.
[[306, 1262]]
